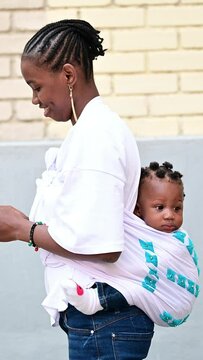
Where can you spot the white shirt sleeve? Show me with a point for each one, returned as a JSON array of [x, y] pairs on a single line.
[[90, 221], [88, 215]]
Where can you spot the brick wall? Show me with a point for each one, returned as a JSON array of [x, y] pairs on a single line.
[[152, 73]]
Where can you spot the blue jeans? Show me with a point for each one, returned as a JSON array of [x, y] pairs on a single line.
[[119, 332]]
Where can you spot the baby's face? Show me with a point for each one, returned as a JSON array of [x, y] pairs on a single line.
[[160, 204]]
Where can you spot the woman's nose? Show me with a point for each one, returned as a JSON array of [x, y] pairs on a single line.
[[35, 99]]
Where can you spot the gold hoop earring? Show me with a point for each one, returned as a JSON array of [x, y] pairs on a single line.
[[72, 102]]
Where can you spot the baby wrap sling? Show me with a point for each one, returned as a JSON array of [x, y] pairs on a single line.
[[166, 271], [160, 271], [156, 271]]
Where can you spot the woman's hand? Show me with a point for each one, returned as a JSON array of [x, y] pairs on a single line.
[[11, 221]]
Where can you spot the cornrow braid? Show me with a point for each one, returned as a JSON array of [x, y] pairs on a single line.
[[66, 41], [161, 171]]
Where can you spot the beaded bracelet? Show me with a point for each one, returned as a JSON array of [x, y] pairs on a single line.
[[31, 241]]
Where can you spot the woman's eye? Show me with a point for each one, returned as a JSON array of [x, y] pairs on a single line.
[[37, 89]]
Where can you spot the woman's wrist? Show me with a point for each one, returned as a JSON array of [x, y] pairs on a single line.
[[23, 231]]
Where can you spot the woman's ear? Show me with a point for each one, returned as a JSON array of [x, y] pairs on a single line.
[[70, 74]]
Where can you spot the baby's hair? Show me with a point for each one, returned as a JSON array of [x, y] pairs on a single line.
[[66, 41], [161, 171]]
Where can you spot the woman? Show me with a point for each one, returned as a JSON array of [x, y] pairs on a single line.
[[77, 216]]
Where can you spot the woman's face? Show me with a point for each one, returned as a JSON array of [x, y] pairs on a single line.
[[50, 90]]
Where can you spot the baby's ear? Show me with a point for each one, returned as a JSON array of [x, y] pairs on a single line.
[[137, 210]]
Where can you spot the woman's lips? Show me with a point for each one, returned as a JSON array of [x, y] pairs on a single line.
[[46, 109]]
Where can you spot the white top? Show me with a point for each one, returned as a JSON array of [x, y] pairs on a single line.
[[82, 195]]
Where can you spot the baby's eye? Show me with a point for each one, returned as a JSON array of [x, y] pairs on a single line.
[[159, 207], [177, 208]]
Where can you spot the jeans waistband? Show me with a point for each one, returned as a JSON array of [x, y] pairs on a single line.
[[110, 298]]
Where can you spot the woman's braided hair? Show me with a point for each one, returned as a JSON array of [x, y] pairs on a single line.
[[161, 171], [66, 41]]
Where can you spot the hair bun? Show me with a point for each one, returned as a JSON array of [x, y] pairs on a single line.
[[167, 165]]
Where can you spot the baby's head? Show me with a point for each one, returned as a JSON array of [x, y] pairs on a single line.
[[160, 197]]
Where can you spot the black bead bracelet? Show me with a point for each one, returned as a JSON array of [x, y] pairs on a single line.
[[31, 241]]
